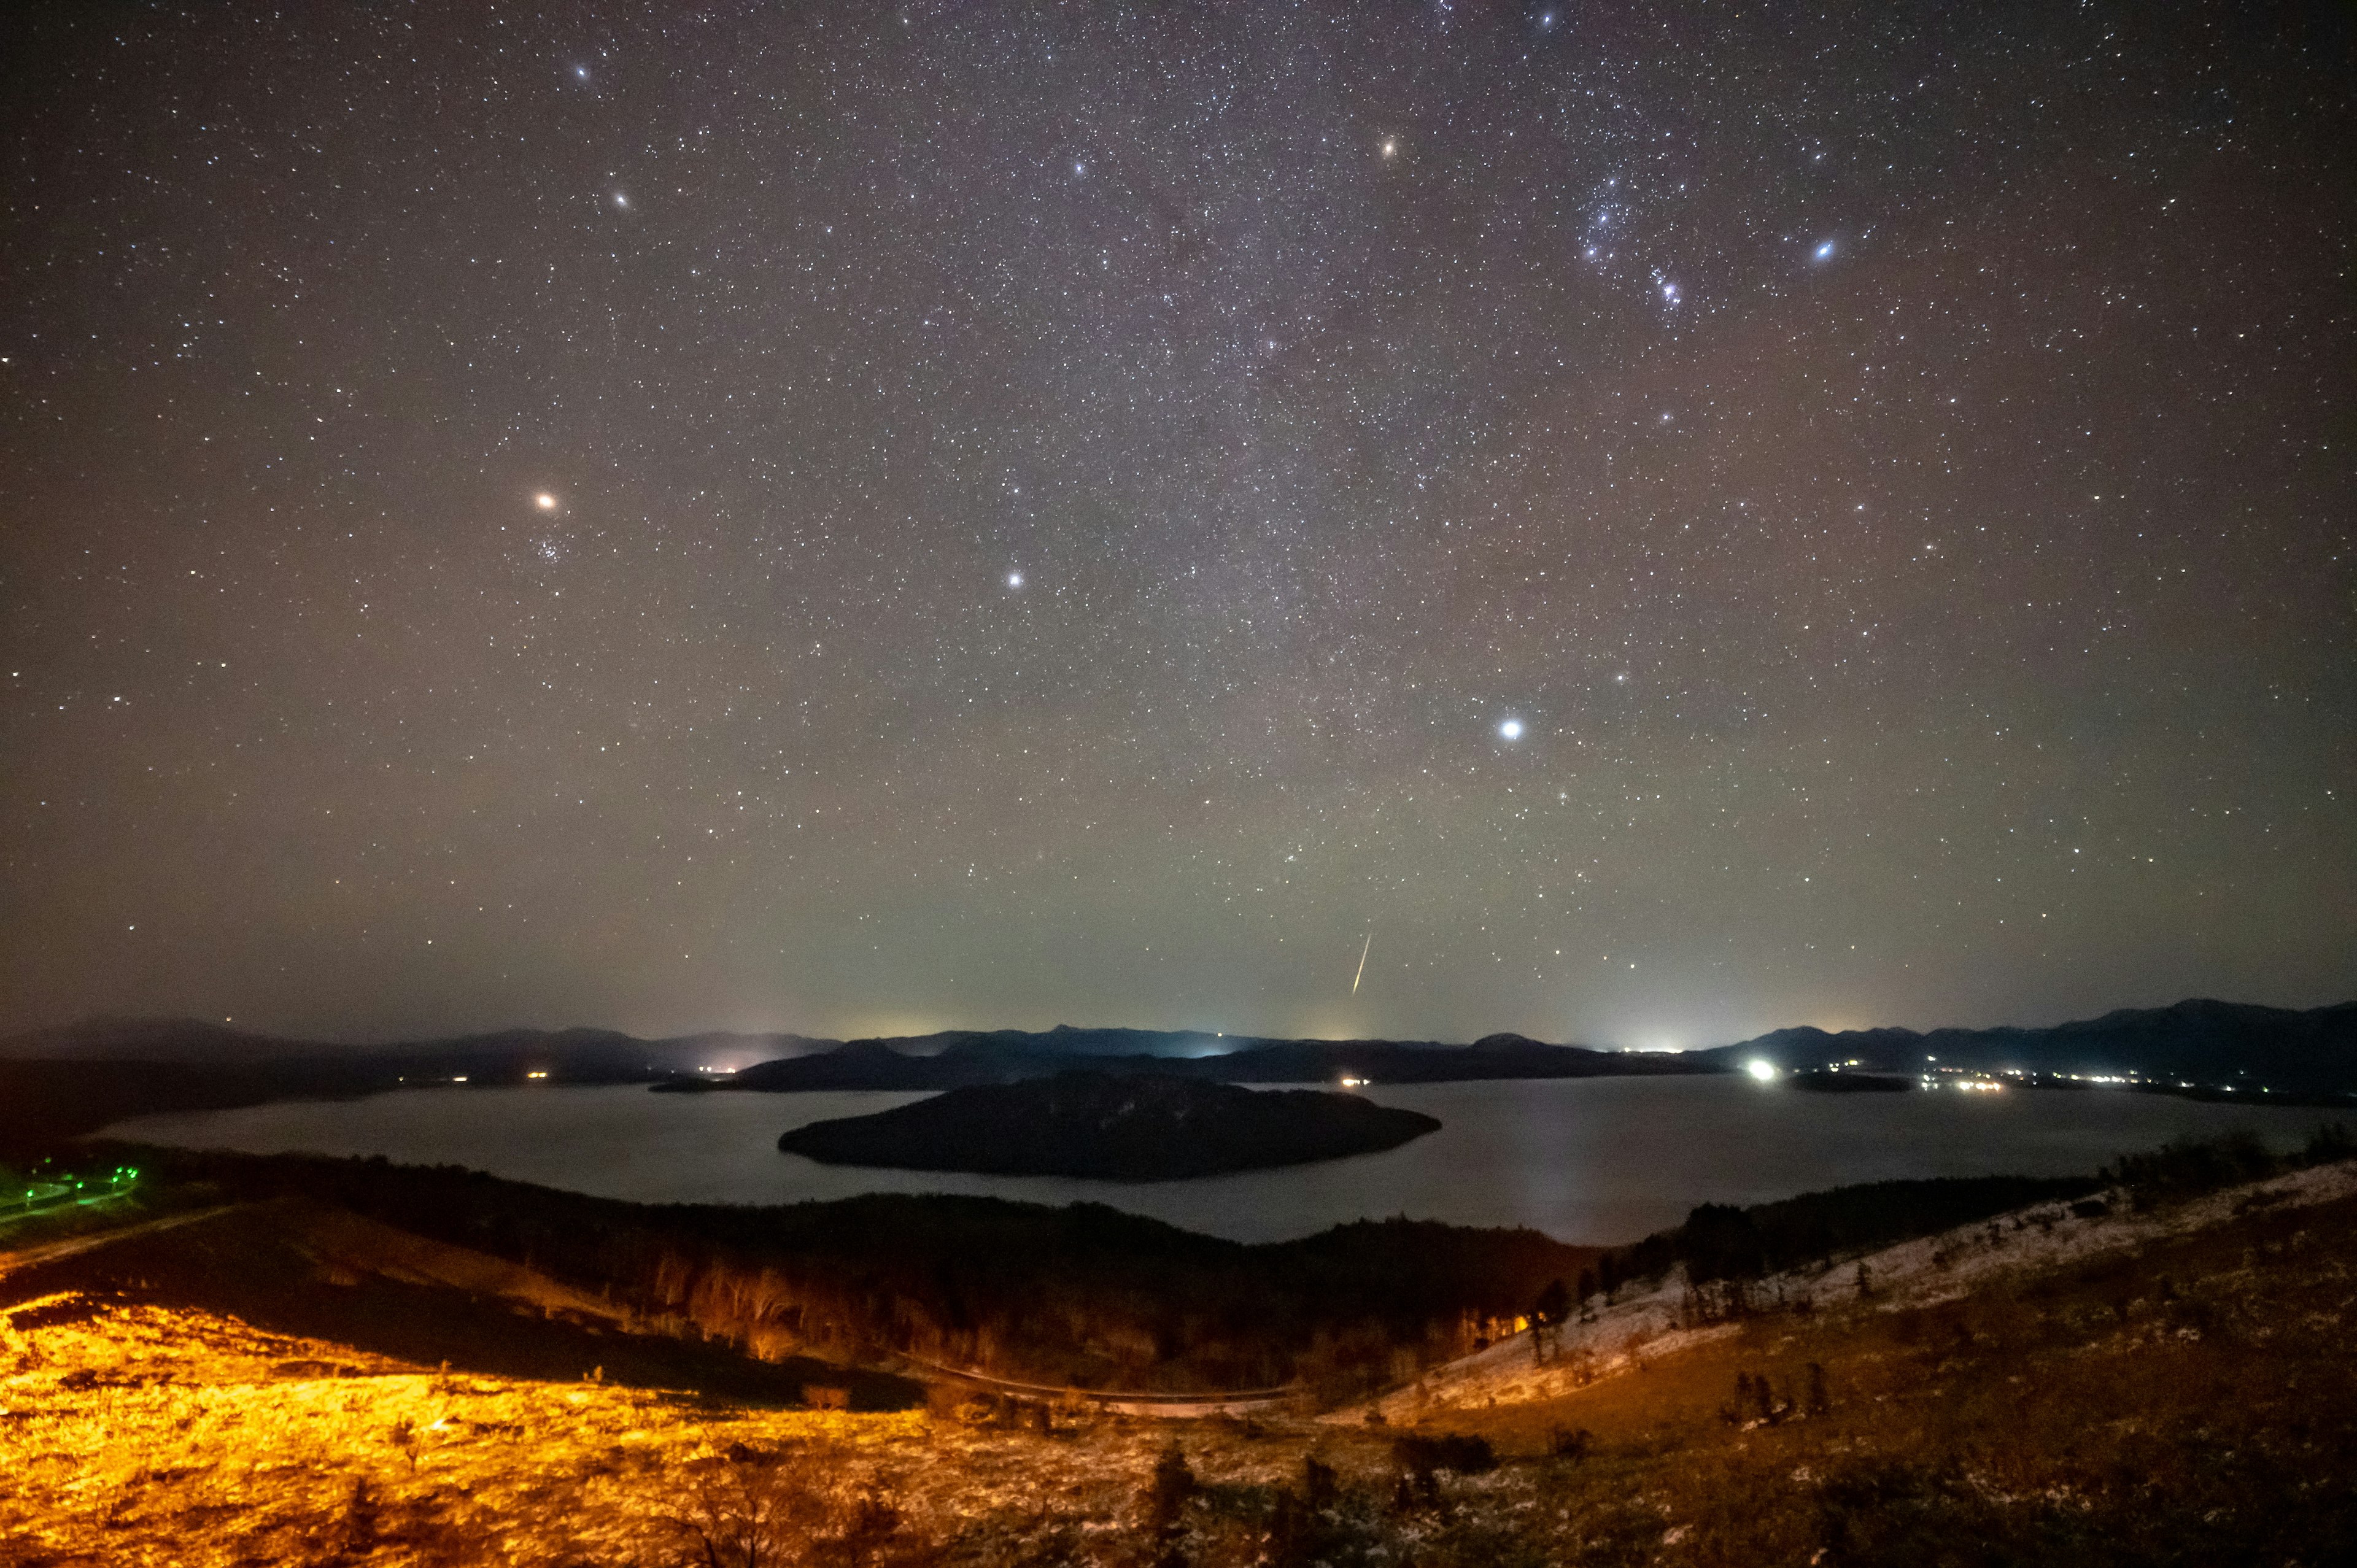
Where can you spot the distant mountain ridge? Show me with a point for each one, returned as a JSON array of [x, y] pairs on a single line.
[[1011, 1057], [60, 1082], [1063, 1039], [2221, 1046], [202, 1042], [2207, 1044], [57, 1082]]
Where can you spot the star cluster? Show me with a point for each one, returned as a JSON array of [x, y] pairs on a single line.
[[1674, 520]]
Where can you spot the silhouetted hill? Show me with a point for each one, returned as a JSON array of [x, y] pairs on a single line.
[[1011, 1057], [2220, 1046], [152, 1039], [1063, 1040], [1118, 1127], [194, 1040], [46, 1103], [868, 1064], [56, 1083]]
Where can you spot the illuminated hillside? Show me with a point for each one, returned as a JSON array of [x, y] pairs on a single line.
[[2163, 1387]]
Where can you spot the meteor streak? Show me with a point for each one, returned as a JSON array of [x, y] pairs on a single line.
[[1362, 963]]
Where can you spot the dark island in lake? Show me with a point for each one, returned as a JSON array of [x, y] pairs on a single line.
[[1116, 1127]]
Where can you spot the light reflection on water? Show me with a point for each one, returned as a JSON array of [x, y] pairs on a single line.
[[1584, 1160]]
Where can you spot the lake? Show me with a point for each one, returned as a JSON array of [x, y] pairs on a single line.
[[1598, 1160]]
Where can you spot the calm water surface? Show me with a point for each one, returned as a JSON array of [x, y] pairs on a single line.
[[1584, 1160]]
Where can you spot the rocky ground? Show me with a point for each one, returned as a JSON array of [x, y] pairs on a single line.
[[1614, 1339]]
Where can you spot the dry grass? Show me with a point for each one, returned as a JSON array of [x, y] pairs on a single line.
[[2187, 1400], [135, 1433]]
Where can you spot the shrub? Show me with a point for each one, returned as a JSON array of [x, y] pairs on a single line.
[[1720, 1243], [1418, 1456], [2330, 1143], [1172, 1484], [2187, 1168]]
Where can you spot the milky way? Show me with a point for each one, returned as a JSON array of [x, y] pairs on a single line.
[[1656, 521]]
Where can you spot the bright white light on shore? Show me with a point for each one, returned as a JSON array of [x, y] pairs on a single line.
[[1764, 1071]]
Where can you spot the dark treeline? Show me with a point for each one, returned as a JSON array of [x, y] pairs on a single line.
[[1083, 1296], [1719, 1241], [2189, 1167]]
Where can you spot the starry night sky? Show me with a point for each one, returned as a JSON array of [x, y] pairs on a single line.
[[1672, 520]]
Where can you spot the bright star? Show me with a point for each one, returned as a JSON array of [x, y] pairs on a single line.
[[1510, 729], [1390, 148], [544, 501], [621, 201], [1825, 251], [1015, 579]]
